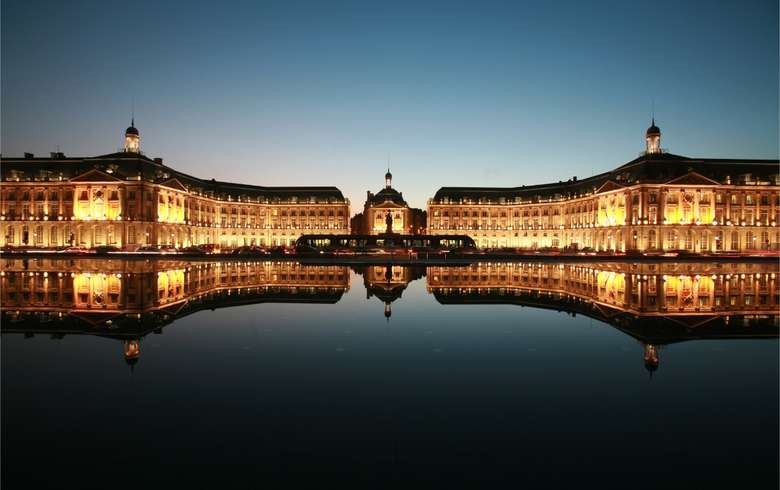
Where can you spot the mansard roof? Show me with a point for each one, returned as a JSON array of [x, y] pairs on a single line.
[[128, 165], [660, 168], [388, 194]]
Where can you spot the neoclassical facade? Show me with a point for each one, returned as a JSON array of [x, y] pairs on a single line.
[[388, 202], [128, 200], [656, 202]]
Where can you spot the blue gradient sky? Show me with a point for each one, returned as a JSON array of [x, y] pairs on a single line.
[[456, 94]]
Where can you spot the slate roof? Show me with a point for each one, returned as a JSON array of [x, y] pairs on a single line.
[[126, 165], [647, 169], [388, 194]]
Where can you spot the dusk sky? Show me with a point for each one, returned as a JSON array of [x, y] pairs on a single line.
[[452, 93]]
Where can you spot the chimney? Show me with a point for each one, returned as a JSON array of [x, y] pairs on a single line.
[[158, 160], [28, 155]]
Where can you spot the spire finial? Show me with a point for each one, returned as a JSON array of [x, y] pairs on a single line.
[[132, 112], [652, 111]]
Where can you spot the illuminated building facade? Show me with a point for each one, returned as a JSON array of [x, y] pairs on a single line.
[[128, 200], [388, 202], [656, 202]]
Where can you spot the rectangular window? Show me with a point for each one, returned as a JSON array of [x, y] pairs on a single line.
[[652, 198]]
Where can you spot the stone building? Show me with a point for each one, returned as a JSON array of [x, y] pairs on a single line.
[[656, 202], [373, 220], [128, 200]]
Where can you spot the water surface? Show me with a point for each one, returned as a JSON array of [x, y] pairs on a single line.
[[243, 374]]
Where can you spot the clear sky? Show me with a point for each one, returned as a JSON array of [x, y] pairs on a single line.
[[452, 93]]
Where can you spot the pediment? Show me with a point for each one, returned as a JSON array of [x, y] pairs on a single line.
[[95, 175], [692, 321], [693, 178], [174, 309], [174, 183], [609, 185], [388, 205], [95, 318]]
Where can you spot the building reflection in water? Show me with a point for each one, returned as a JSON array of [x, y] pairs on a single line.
[[655, 303], [388, 282], [126, 300]]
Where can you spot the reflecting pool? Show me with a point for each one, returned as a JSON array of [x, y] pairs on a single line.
[[247, 373]]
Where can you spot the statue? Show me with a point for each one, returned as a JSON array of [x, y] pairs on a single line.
[[389, 221]]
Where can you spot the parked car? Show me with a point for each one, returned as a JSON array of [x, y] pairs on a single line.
[[148, 249], [104, 249], [76, 250], [250, 250], [193, 250]]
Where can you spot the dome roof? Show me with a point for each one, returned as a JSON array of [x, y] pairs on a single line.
[[388, 194], [388, 175], [651, 366], [131, 130], [653, 129]]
